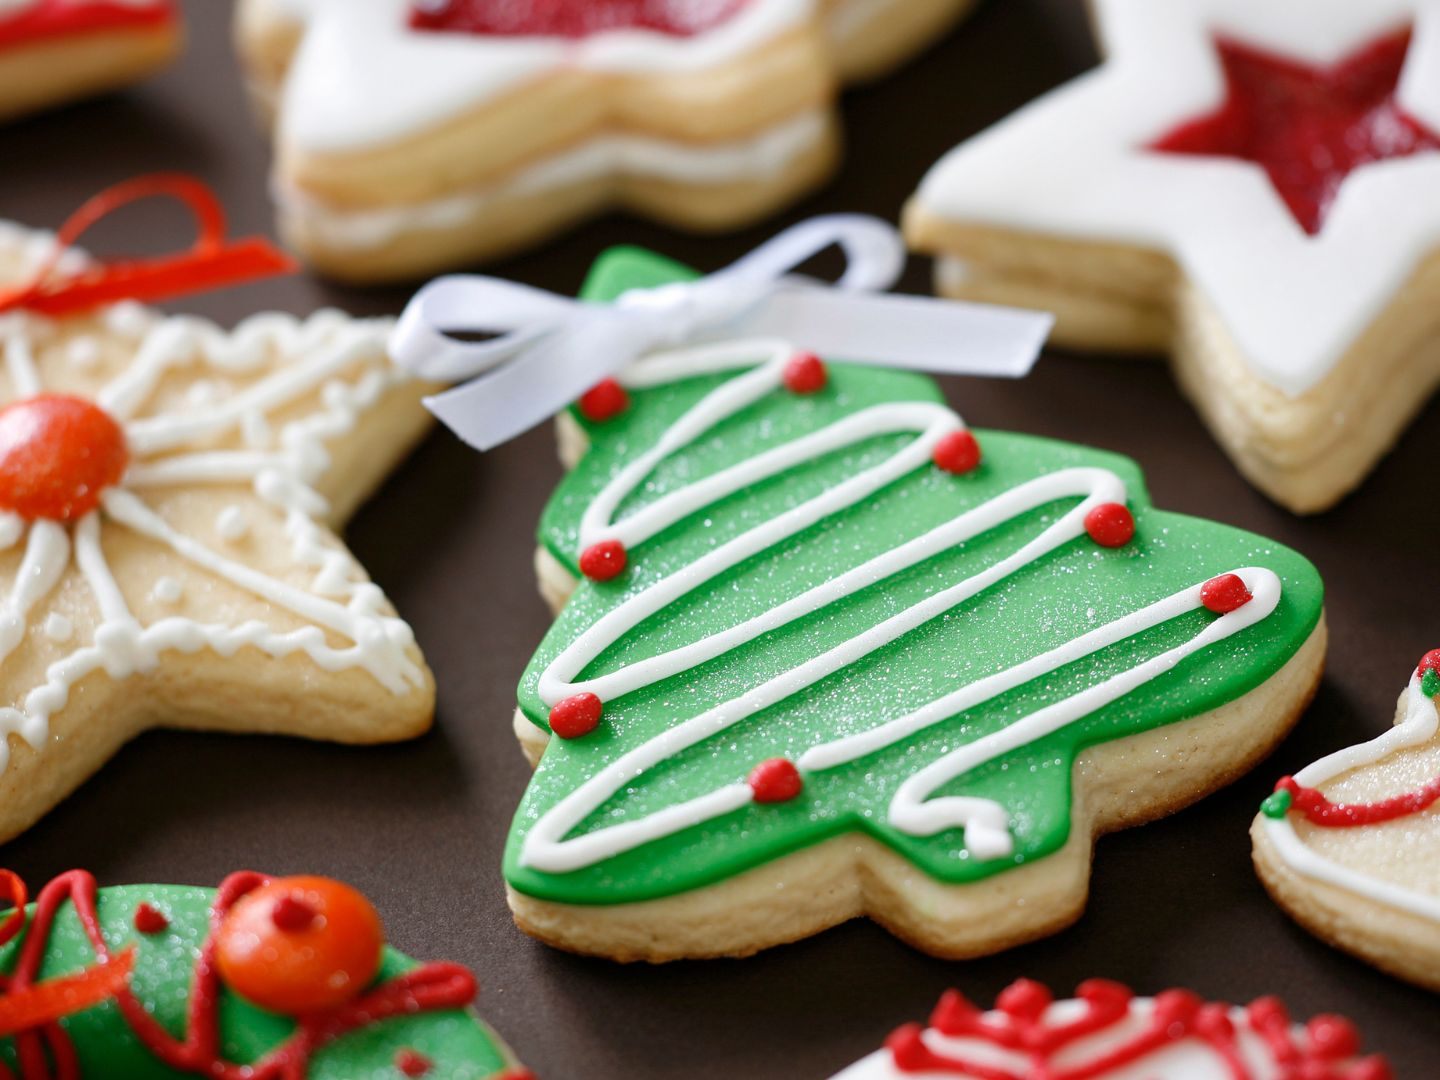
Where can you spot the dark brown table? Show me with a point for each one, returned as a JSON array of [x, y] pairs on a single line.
[[420, 826]]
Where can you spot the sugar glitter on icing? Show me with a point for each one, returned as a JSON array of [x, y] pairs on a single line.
[[549, 847], [1419, 726], [1292, 301]]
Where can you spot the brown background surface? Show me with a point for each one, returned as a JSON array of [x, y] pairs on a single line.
[[420, 827]]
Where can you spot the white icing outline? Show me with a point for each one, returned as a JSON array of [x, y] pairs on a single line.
[[1070, 165], [1419, 726], [332, 101], [912, 810], [344, 360]]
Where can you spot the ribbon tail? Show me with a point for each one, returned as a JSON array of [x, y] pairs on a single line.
[[532, 388], [46, 1002], [917, 333]]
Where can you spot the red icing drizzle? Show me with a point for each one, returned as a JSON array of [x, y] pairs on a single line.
[[572, 18], [1321, 811], [427, 988], [1020, 1026], [62, 18], [1307, 127]]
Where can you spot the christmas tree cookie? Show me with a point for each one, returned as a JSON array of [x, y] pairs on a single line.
[[263, 979], [833, 654], [169, 493], [1108, 1033], [1350, 845], [55, 51]]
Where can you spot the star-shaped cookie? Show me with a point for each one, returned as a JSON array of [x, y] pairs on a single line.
[[413, 135], [1246, 184], [168, 492], [54, 51]]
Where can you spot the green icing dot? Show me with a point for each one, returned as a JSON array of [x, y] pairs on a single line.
[[1277, 804], [1430, 683]]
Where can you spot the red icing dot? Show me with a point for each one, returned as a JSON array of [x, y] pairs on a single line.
[[293, 914], [412, 1063], [805, 374], [1308, 127], [1110, 525], [1024, 998], [1430, 661], [775, 781], [57, 454], [1268, 1012], [572, 18], [150, 919], [604, 400], [1177, 1006], [576, 716], [1333, 1038], [603, 561], [1225, 594], [957, 453]]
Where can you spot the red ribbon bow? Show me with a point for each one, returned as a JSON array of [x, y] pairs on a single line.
[[210, 263]]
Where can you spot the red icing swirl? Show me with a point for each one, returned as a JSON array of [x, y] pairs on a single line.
[[1319, 810], [45, 19], [428, 988]]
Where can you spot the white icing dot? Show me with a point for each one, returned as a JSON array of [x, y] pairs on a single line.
[[128, 319], [255, 429], [83, 353], [231, 524], [167, 590], [202, 392], [58, 627], [12, 527]]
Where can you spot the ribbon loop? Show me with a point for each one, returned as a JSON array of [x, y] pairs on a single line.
[[209, 263], [549, 349]]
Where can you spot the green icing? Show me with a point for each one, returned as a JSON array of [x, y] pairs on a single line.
[[461, 1047], [1276, 804], [1077, 588]]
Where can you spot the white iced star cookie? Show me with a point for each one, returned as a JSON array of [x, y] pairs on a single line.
[[54, 51], [1350, 845], [167, 497], [1247, 184], [415, 135]]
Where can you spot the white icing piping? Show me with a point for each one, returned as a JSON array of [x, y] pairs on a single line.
[[1419, 727], [986, 823], [318, 353]]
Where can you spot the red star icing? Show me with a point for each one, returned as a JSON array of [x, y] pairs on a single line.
[[1307, 127], [571, 18]]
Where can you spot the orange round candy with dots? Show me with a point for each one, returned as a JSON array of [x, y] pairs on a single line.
[[300, 945]]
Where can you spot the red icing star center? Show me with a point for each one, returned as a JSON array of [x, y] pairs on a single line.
[[571, 18], [57, 454], [1307, 127]]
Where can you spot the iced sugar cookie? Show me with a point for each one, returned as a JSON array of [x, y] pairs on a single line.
[[266, 978], [1107, 1033], [834, 654], [169, 493], [55, 51], [415, 136], [1244, 184], [1350, 846]]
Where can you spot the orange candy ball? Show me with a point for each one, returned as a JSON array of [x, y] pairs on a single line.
[[57, 454], [300, 945]]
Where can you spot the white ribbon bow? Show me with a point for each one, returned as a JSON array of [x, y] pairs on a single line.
[[551, 349]]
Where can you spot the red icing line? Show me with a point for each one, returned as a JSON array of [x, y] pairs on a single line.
[[63, 18], [1321, 811], [573, 19], [1020, 1027], [427, 988], [211, 262], [1308, 127]]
